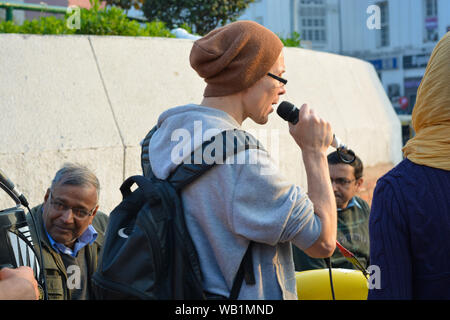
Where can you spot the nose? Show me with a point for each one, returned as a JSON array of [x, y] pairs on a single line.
[[67, 215]]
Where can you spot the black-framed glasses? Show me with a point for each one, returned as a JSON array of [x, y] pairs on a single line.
[[78, 213], [282, 80]]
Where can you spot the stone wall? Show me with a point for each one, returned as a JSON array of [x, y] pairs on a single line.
[[91, 99]]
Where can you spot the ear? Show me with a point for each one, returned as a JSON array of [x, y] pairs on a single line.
[[359, 183], [47, 194], [95, 211]]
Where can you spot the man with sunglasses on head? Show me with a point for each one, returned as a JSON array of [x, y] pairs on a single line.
[[353, 217], [71, 231]]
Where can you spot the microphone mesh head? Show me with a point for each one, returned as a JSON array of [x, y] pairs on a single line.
[[285, 110]]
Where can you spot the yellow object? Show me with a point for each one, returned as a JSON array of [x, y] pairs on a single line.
[[431, 114], [315, 285]]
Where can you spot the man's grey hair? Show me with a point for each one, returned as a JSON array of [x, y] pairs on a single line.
[[76, 175]]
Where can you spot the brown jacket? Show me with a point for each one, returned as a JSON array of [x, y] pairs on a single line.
[[55, 271]]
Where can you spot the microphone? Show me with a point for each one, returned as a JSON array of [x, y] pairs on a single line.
[[287, 111], [10, 185]]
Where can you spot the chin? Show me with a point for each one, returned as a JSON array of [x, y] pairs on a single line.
[[260, 120], [263, 120]]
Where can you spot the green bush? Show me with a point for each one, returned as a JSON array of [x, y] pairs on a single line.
[[293, 41], [37, 26], [8, 27], [95, 21], [45, 25]]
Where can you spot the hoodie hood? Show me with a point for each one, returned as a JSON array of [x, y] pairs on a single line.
[[180, 131]]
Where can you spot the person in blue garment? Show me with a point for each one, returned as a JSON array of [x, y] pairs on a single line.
[[409, 223]]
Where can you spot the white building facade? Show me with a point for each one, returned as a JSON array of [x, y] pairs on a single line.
[[396, 36]]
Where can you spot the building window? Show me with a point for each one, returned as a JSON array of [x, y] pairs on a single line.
[[383, 34], [431, 20], [312, 23], [431, 8]]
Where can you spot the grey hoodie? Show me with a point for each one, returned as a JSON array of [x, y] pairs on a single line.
[[234, 203]]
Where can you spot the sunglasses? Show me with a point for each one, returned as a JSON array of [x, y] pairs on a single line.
[[283, 81]]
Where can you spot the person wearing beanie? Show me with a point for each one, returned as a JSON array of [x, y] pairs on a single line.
[[234, 205]]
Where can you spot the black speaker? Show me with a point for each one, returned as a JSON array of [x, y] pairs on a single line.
[[16, 245]]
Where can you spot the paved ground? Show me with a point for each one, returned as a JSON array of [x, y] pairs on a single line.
[[371, 175]]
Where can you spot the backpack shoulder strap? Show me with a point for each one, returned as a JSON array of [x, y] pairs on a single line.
[[145, 156], [231, 141], [245, 271]]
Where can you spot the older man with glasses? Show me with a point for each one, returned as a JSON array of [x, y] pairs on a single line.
[[353, 217], [71, 230]]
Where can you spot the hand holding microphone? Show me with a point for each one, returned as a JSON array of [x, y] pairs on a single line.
[[312, 131]]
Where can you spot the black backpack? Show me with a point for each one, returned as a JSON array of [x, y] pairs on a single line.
[[148, 252]]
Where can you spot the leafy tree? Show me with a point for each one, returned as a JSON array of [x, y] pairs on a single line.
[[200, 15], [126, 4], [292, 41]]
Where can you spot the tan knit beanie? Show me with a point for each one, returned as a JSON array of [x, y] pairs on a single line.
[[234, 57]]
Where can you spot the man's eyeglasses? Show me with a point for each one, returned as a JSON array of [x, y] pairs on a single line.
[[283, 81], [341, 181], [78, 213]]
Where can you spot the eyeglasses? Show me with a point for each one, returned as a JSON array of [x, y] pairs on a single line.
[[78, 213], [283, 81], [341, 181]]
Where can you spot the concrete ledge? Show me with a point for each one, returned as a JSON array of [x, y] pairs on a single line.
[[91, 99]]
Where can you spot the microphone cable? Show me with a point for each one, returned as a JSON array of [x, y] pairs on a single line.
[[328, 262], [38, 238]]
